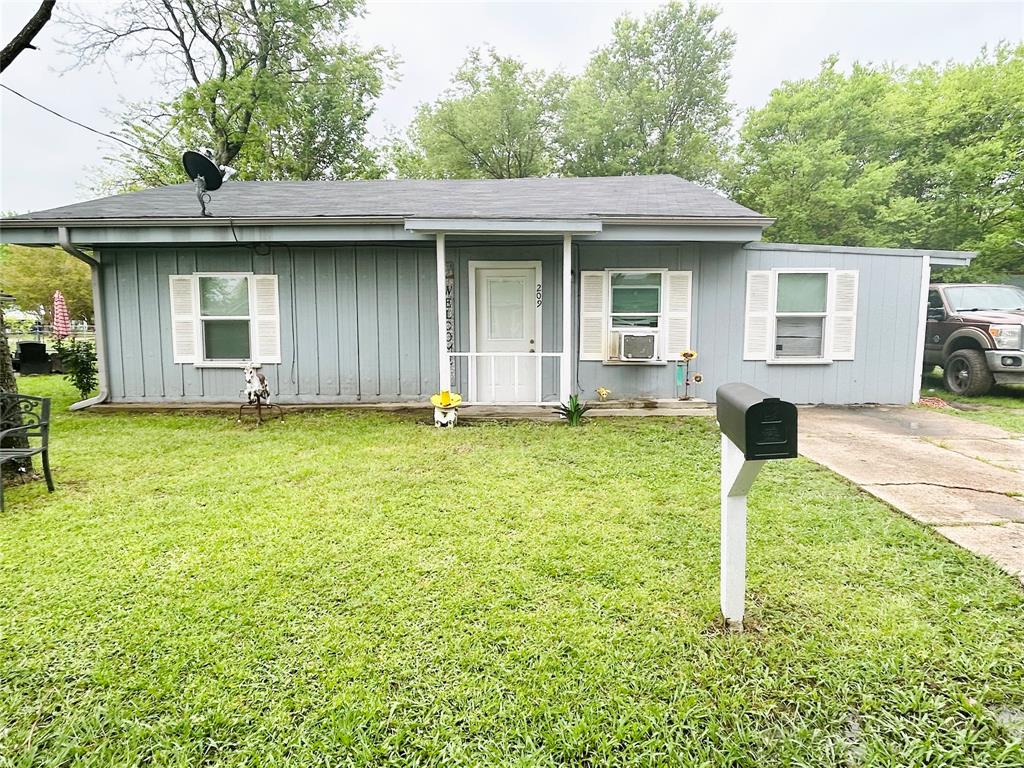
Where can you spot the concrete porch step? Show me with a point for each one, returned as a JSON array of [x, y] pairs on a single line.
[[648, 403], [671, 408]]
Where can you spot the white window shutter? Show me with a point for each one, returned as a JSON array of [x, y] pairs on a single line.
[[757, 326], [184, 325], [266, 320], [593, 315], [679, 288], [844, 313]]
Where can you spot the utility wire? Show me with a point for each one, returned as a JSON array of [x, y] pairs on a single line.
[[83, 125]]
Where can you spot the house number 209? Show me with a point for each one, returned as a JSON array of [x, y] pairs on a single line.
[[540, 295]]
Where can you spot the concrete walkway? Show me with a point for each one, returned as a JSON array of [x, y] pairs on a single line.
[[962, 478]]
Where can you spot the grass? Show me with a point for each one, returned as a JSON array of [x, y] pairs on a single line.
[[1002, 407], [362, 589]]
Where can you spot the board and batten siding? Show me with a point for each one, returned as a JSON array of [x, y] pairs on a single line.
[[883, 368], [623, 379], [358, 323]]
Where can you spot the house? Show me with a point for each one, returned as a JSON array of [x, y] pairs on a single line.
[[508, 291]]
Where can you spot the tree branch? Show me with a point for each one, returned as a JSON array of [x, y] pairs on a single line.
[[23, 39]]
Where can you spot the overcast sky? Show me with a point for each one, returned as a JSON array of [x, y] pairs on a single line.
[[45, 162]]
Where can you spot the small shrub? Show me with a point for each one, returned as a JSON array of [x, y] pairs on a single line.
[[79, 359], [572, 411]]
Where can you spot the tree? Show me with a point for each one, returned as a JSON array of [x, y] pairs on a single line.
[[494, 121], [271, 86], [652, 101], [931, 157], [19, 43], [31, 275], [23, 40]]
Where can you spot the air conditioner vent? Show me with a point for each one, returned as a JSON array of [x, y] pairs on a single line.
[[638, 346]]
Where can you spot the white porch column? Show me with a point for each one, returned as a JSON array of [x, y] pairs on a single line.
[[444, 365], [565, 377]]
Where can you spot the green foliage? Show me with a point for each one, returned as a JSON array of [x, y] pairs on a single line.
[[31, 275], [572, 411], [79, 360], [653, 100], [272, 87], [1002, 407], [363, 589], [931, 157], [495, 121]]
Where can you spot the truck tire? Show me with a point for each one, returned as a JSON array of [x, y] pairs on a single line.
[[966, 373]]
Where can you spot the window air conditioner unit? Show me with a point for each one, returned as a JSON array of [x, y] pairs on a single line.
[[638, 346]]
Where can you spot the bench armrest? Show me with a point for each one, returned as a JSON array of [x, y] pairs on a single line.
[[5, 432]]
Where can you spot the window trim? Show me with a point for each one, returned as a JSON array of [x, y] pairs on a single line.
[[661, 315], [201, 361], [828, 317]]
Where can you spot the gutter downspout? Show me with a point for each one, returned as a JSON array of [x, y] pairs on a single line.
[[64, 237]]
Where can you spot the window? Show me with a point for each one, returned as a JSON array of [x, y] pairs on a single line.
[[935, 309], [634, 316], [999, 298], [806, 316], [225, 320], [224, 317], [635, 300], [801, 312]]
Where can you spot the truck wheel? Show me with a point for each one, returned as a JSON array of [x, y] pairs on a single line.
[[966, 373]]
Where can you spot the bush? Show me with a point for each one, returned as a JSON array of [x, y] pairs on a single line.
[[79, 359]]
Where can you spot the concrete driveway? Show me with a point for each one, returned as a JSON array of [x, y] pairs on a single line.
[[962, 478]]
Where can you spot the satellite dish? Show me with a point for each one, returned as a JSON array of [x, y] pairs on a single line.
[[204, 172]]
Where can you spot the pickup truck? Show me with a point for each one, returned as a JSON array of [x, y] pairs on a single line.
[[975, 332]]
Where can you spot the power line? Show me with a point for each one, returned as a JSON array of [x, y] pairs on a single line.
[[83, 125]]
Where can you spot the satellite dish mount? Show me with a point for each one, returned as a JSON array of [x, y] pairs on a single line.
[[201, 168]]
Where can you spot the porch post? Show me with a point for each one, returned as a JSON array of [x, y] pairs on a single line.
[[444, 366], [565, 379]]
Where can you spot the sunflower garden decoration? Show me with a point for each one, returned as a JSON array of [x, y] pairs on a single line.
[[683, 378], [446, 408]]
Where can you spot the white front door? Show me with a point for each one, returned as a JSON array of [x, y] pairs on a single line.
[[506, 306]]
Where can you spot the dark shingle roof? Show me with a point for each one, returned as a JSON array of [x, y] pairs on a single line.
[[547, 198]]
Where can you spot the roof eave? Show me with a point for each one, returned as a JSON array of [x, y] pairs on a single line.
[[419, 223]]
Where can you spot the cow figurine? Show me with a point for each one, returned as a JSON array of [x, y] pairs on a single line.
[[256, 387], [257, 394]]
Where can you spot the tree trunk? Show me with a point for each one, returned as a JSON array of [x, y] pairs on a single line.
[[8, 383]]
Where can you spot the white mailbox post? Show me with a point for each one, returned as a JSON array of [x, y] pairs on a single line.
[[755, 428]]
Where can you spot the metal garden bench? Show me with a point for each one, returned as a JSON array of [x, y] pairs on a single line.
[[24, 432]]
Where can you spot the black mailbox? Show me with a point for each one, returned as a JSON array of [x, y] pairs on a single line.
[[762, 427]]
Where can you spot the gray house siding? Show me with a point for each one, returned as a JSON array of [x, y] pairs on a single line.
[[357, 323], [642, 381], [883, 369]]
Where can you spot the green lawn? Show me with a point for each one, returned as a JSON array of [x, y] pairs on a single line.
[[1002, 407], [362, 589]]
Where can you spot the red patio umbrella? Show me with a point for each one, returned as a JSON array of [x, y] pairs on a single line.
[[61, 321]]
